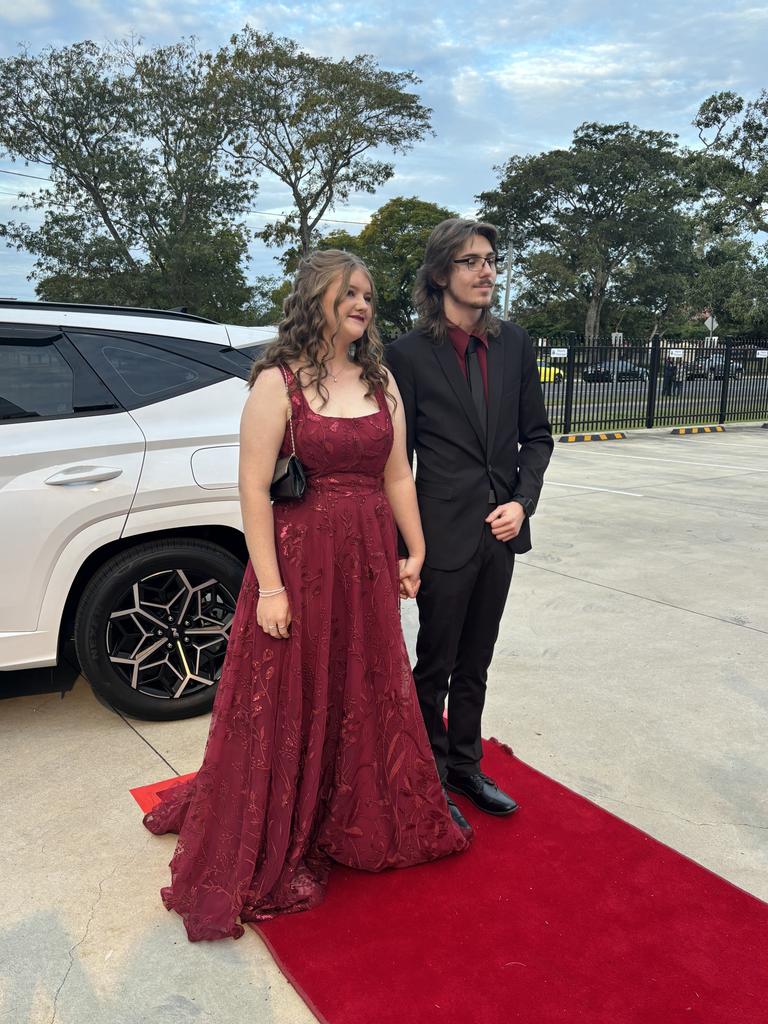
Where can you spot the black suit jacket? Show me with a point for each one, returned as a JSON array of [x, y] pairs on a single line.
[[455, 466]]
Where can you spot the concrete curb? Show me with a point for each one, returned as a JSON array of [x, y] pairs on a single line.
[[611, 435], [642, 432], [679, 431]]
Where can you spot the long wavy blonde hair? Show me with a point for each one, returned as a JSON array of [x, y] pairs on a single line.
[[300, 332]]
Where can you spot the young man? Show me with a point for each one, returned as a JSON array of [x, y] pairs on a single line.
[[476, 420]]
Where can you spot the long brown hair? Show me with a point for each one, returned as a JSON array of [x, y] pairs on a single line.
[[300, 332], [444, 241]]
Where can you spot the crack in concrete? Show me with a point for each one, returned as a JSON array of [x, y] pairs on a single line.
[[91, 916], [639, 597], [689, 821], [72, 949]]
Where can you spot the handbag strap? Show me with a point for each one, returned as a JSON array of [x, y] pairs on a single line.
[[290, 407]]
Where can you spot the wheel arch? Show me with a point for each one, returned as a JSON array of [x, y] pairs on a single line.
[[227, 537]]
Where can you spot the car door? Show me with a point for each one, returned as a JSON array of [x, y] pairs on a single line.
[[70, 459], [187, 397]]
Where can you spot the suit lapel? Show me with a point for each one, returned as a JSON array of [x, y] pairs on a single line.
[[495, 357], [446, 357]]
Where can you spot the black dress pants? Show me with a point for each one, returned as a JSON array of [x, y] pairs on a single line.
[[459, 616]]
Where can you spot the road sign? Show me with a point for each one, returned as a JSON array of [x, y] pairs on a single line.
[[710, 323], [617, 338]]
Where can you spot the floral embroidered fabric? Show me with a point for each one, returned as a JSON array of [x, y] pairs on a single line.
[[316, 751]]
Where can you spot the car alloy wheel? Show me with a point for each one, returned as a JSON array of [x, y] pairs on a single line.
[[168, 633], [153, 623]]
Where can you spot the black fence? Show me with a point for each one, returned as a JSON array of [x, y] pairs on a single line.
[[610, 386]]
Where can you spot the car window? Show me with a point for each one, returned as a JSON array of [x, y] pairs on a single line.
[[219, 357], [140, 372], [38, 381]]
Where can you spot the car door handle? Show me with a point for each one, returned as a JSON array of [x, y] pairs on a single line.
[[83, 475]]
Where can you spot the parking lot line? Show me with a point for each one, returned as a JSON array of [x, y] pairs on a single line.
[[680, 462], [673, 440], [584, 487]]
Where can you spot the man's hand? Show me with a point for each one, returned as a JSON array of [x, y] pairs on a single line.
[[505, 520]]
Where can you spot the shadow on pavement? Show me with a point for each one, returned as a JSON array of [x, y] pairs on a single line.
[[31, 682]]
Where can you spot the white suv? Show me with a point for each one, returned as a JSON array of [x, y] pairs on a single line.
[[119, 515]]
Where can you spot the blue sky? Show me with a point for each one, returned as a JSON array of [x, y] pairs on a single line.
[[502, 78]]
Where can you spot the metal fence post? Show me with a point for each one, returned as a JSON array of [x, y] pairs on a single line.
[[726, 378], [570, 376], [653, 381]]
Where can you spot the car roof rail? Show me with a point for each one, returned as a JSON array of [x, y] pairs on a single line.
[[180, 313]]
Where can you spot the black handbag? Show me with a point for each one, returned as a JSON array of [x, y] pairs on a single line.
[[289, 480]]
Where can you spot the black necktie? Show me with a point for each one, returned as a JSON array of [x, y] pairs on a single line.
[[475, 379]]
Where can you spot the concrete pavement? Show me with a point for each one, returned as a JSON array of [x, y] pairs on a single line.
[[631, 666]]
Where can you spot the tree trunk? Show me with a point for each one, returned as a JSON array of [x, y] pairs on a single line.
[[594, 309]]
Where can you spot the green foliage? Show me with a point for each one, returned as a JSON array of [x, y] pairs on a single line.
[[576, 218], [733, 165], [392, 246], [731, 281], [144, 199], [265, 307], [311, 121]]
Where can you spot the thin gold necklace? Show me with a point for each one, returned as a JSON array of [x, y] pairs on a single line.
[[350, 356]]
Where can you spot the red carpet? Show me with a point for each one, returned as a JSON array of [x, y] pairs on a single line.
[[561, 913]]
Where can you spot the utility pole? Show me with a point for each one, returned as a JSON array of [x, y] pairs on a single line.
[[509, 278]]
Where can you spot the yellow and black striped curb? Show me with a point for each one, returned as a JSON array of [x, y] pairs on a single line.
[[612, 435], [697, 430]]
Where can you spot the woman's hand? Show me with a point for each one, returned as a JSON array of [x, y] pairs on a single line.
[[410, 576], [273, 615]]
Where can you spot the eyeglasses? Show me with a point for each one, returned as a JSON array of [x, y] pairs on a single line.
[[477, 262]]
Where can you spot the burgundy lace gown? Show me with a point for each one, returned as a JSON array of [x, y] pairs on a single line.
[[317, 751]]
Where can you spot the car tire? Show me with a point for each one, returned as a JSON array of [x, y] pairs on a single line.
[[146, 662]]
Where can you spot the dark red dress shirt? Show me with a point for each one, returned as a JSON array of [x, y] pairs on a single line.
[[460, 340]]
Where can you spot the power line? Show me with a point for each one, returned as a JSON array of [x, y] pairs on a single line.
[[258, 213], [18, 174]]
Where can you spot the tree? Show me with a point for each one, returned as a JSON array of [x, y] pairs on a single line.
[[143, 203], [311, 121], [392, 246], [266, 304], [652, 297], [575, 218], [731, 281], [733, 164]]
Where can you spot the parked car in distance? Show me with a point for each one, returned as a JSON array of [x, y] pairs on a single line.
[[118, 497], [712, 368], [610, 370], [550, 374]]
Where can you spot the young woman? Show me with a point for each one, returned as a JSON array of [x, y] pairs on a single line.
[[317, 751]]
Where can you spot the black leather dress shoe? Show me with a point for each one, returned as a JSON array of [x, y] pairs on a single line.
[[456, 814], [483, 792]]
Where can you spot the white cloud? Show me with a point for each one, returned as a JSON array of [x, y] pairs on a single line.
[[22, 14]]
